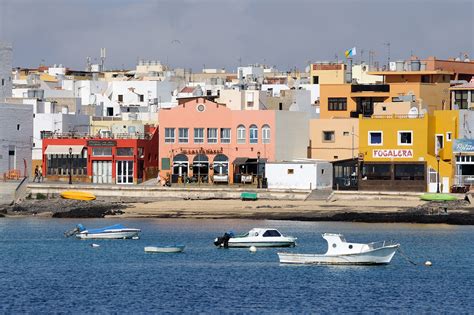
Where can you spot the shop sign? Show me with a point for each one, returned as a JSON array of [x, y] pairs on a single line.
[[393, 153], [202, 151], [463, 145], [101, 143]]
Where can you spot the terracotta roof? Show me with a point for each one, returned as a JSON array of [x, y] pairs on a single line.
[[187, 89]]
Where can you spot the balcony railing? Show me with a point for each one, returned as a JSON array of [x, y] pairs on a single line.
[[411, 116], [384, 88], [463, 180], [145, 136]]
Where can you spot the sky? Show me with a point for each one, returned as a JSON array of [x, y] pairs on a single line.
[[226, 33]]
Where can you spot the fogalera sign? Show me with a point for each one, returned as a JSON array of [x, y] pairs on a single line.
[[463, 145], [393, 153]]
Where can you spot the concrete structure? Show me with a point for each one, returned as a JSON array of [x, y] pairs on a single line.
[[299, 174], [334, 139], [327, 73], [243, 99], [462, 95], [462, 68], [16, 132], [360, 74], [6, 56], [292, 100], [394, 149], [101, 160], [202, 139]]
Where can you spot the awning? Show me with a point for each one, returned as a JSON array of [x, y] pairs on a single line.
[[240, 160], [63, 149]]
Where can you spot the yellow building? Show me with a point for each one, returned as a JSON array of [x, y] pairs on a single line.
[[327, 73], [400, 152], [430, 89]]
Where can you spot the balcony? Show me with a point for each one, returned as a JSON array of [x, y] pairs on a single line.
[[379, 88]]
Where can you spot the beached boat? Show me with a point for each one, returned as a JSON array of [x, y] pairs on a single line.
[[164, 249], [77, 195], [341, 252], [117, 231], [438, 197], [258, 237]]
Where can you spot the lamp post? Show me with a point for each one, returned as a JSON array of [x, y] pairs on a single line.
[[70, 162], [258, 169], [437, 175]]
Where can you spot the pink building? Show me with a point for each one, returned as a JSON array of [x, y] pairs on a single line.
[[201, 139]]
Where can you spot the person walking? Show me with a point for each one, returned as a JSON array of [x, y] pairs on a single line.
[[40, 174], [36, 174]]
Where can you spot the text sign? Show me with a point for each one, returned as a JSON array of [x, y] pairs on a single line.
[[463, 145], [393, 153], [101, 143]]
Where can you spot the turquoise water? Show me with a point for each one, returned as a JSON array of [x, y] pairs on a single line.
[[43, 272]]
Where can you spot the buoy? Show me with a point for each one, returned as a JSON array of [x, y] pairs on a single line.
[[428, 263], [135, 238], [253, 249], [95, 245]]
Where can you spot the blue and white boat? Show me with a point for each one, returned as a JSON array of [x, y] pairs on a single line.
[[117, 231]]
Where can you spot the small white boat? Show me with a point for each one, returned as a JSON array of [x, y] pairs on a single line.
[[341, 252], [165, 249], [258, 237], [117, 231]]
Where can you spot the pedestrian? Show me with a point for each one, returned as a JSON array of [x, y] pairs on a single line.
[[40, 174], [36, 173]]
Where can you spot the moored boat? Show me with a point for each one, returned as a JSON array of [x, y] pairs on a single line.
[[258, 237], [77, 195], [341, 252], [117, 231], [165, 249]]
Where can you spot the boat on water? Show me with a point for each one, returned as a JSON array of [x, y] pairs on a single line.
[[258, 237], [117, 231], [77, 195], [165, 249], [341, 252]]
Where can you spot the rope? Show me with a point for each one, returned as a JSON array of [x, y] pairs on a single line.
[[406, 257]]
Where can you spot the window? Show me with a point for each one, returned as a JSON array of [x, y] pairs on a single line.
[[249, 99], [315, 79], [266, 134], [120, 98], [183, 134], [271, 233], [212, 135], [253, 134], [409, 172], [124, 151], [291, 171], [328, 136], [102, 151], [58, 164], [141, 98], [405, 137], [17, 126], [198, 135], [225, 135], [460, 99], [425, 79], [3, 82], [377, 172], [448, 136], [439, 143], [345, 133], [339, 103], [241, 134], [375, 138], [169, 135]]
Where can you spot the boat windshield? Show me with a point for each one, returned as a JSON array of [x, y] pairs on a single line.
[[270, 233]]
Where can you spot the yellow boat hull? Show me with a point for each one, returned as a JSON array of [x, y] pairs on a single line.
[[77, 195]]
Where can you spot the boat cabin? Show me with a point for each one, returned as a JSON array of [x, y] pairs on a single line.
[[263, 232], [337, 245]]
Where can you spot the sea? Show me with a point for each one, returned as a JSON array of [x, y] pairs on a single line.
[[41, 271]]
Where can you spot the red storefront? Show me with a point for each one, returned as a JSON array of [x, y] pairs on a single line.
[[123, 159]]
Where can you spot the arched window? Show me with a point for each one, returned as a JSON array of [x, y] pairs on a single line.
[[241, 134], [266, 134], [253, 134]]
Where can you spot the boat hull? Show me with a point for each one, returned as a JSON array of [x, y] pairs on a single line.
[[166, 249], [237, 244], [77, 195], [108, 235], [379, 256]]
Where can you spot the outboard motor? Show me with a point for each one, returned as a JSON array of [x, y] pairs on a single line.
[[77, 229], [223, 241]]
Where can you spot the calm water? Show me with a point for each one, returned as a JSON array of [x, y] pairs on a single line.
[[42, 272]]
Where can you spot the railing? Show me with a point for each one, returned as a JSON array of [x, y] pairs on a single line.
[[411, 116], [146, 136], [12, 175], [463, 180], [380, 244], [370, 88]]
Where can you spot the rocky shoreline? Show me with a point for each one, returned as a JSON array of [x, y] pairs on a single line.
[[459, 212]]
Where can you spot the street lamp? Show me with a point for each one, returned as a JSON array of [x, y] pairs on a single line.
[[70, 162], [258, 169], [437, 175]]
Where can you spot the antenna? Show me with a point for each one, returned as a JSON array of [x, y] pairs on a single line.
[[388, 54], [102, 58], [88, 64]]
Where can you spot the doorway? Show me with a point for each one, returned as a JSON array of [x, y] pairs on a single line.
[[102, 172], [124, 172]]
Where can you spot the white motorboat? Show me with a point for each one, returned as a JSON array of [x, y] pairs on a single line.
[[117, 231], [341, 252], [164, 249], [258, 237]]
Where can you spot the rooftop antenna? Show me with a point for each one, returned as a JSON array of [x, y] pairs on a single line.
[[361, 56], [240, 61], [102, 58], [388, 54], [88, 64]]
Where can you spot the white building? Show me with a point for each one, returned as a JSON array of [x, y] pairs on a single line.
[[360, 73], [250, 73], [6, 53], [299, 174], [16, 131]]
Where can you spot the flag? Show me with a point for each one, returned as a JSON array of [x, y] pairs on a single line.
[[350, 52]]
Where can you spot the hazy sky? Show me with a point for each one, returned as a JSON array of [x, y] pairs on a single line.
[[192, 33]]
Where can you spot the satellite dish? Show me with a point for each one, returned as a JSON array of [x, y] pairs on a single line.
[[413, 112]]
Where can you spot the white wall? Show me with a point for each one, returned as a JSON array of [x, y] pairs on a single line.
[[299, 175], [291, 135], [12, 139]]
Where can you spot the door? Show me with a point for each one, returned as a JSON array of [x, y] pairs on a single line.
[[102, 172], [124, 172]]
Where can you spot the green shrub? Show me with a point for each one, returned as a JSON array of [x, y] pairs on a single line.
[[40, 196]]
